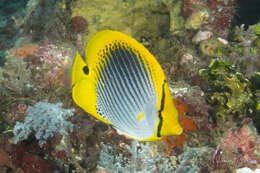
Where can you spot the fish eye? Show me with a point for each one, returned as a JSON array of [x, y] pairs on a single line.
[[86, 69]]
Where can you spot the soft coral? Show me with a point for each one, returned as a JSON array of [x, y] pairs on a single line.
[[240, 147]]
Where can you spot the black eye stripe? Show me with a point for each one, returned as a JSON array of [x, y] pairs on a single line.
[[160, 111], [86, 69]]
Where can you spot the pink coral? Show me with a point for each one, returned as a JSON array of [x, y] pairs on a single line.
[[51, 53], [26, 50], [220, 13], [241, 147], [51, 76], [49, 62]]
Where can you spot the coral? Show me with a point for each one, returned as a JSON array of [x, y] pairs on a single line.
[[143, 160], [50, 63], [247, 170], [174, 141], [239, 147], [187, 124], [148, 19], [55, 17], [186, 157], [221, 14], [44, 119], [196, 19], [174, 8], [16, 113], [11, 17], [201, 35], [213, 15], [229, 91], [4, 158], [33, 163], [26, 50], [28, 158], [180, 106], [15, 80], [210, 47], [244, 51], [78, 24], [192, 103]]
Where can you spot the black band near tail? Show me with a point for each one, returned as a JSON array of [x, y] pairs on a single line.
[[160, 111]]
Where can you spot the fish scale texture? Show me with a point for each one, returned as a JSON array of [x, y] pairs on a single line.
[[44, 120]]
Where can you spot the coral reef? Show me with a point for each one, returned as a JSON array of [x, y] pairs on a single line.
[[238, 148], [131, 17], [78, 24], [211, 47], [28, 157], [38, 11], [11, 18], [38, 43], [197, 14], [43, 119], [29, 73], [174, 8], [144, 159], [247, 170], [244, 50], [15, 76]]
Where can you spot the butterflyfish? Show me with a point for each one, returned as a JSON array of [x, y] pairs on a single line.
[[121, 83]]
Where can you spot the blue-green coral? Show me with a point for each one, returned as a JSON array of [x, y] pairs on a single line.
[[229, 91], [44, 120]]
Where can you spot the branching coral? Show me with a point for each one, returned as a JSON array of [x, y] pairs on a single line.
[[44, 119]]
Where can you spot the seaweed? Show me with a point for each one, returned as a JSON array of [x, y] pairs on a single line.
[[229, 90]]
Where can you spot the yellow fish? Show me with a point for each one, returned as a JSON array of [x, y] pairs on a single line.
[[121, 83]]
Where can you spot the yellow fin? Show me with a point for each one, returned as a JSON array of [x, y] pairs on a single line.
[[170, 124], [83, 88]]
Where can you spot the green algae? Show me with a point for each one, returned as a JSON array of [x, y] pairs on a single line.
[[255, 82], [257, 28], [229, 91]]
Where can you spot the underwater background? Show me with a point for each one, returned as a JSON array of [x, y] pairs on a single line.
[[209, 51]]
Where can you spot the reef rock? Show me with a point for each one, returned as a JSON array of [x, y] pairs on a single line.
[[140, 19]]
